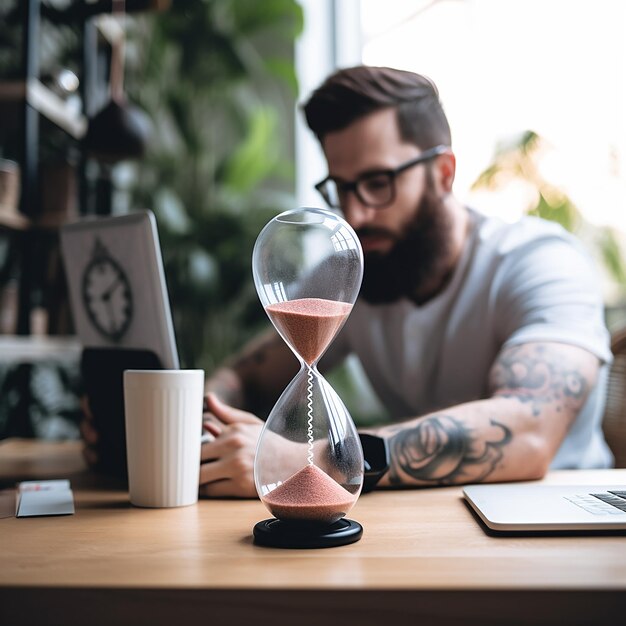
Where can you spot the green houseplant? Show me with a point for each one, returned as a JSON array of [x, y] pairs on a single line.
[[217, 78]]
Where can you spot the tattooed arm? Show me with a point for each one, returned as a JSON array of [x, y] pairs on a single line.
[[255, 378], [536, 391]]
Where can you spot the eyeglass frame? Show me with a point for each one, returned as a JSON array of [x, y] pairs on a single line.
[[346, 187]]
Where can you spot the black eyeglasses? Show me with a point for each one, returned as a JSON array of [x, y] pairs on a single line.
[[374, 189]]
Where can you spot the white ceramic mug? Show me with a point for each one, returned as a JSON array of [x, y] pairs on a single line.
[[163, 413]]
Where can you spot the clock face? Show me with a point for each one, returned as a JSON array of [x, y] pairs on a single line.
[[107, 295]]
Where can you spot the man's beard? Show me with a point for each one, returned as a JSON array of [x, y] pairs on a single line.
[[418, 265]]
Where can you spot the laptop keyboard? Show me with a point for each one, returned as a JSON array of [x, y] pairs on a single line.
[[613, 498], [608, 503]]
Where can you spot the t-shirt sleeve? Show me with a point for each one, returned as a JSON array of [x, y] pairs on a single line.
[[549, 291]]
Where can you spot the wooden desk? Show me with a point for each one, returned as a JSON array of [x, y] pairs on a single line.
[[423, 559]]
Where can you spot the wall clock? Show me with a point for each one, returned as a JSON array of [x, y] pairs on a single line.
[[106, 294]]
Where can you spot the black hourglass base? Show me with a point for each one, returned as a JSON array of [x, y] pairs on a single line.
[[277, 533]]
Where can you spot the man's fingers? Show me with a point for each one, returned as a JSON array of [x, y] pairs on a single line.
[[90, 456], [85, 408], [212, 426], [216, 481], [88, 432], [229, 475], [208, 451], [220, 489], [228, 461], [224, 445], [213, 471]]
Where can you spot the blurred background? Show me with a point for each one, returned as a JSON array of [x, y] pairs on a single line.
[[191, 108]]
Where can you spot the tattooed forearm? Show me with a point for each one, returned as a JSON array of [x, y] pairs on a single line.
[[227, 386], [253, 379], [442, 450], [541, 375], [235, 382], [535, 393]]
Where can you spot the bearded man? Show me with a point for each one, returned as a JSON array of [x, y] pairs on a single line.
[[485, 341]]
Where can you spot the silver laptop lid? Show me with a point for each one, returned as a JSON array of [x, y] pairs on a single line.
[[541, 507], [116, 282]]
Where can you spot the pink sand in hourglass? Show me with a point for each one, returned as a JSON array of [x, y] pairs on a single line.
[[309, 324], [310, 495]]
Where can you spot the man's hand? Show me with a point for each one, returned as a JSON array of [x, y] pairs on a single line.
[[89, 434], [227, 462]]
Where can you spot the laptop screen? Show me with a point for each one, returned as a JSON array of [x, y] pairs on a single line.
[[116, 282]]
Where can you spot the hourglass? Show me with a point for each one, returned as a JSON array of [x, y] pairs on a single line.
[[308, 470]]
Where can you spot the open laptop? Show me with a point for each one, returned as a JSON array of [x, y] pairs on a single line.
[[117, 288], [121, 311], [529, 507]]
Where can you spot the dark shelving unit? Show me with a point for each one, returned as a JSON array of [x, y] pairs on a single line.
[[37, 108], [34, 121]]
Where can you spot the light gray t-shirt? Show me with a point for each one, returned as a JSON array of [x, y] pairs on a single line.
[[515, 283]]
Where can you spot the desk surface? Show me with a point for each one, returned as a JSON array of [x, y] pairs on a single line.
[[422, 551]]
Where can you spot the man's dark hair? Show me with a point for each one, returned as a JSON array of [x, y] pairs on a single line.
[[355, 92]]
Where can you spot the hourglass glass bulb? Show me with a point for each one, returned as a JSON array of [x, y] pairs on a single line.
[[307, 267]]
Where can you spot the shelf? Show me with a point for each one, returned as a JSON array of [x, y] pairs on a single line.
[[47, 103], [19, 349]]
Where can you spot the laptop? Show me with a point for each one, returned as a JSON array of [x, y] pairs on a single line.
[[530, 507], [121, 312], [116, 282]]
